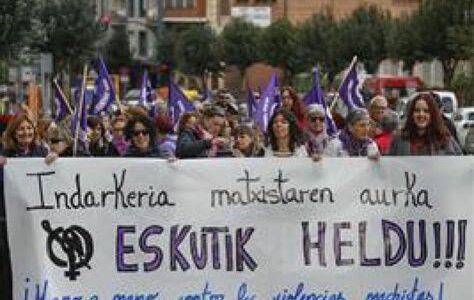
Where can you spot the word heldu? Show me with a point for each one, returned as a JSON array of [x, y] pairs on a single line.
[[207, 247], [412, 242]]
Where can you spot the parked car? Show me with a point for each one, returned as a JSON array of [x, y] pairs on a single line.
[[449, 102], [464, 122], [469, 141]]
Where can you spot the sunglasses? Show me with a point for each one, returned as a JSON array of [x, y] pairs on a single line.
[[138, 132], [314, 119], [55, 141]]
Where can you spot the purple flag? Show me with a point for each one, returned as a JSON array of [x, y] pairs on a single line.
[[251, 103], [60, 102], [350, 89], [206, 94], [178, 103], [147, 95], [81, 115], [316, 96], [104, 93], [269, 100]]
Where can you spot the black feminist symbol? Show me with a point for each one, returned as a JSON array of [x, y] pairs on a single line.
[[75, 242]]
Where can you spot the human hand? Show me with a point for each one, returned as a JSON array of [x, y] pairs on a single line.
[[51, 157], [3, 161]]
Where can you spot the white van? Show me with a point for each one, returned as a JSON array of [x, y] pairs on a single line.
[[449, 102]]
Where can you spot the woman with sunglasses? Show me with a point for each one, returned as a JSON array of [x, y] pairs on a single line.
[[140, 131], [315, 136], [424, 132]]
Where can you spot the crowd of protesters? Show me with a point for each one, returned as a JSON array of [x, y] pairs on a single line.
[[222, 129]]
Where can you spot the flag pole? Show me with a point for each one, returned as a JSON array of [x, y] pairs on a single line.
[[333, 104], [79, 112], [66, 100]]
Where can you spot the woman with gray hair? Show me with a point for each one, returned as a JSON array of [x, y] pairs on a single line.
[[354, 139], [316, 138]]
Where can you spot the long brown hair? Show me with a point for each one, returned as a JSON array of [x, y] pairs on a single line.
[[9, 139], [436, 134], [297, 108]]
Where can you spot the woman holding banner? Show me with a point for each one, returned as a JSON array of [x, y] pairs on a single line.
[[424, 132], [354, 139], [316, 136], [140, 131], [247, 142], [21, 139], [284, 134]]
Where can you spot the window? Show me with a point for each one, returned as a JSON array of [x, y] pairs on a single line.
[[179, 4], [142, 43], [190, 3], [225, 8], [131, 8], [142, 9]]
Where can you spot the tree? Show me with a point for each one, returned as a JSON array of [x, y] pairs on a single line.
[[239, 41], [363, 34], [439, 30], [15, 25], [279, 48], [117, 50], [68, 29], [197, 50], [166, 46], [319, 44]]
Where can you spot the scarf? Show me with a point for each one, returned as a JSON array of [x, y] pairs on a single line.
[[353, 146]]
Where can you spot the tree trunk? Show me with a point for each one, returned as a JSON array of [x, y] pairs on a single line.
[[449, 66]]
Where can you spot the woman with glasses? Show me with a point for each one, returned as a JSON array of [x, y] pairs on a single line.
[[424, 132], [315, 136], [354, 139], [140, 132]]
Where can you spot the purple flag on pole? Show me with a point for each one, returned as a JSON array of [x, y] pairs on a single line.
[[178, 103], [350, 89], [81, 115], [60, 103], [104, 94], [206, 94], [269, 100], [316, 96], [147, 95], [251, 103]]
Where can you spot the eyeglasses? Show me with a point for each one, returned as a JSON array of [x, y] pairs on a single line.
[[138, 132], [55, 141], [314, 119], [117, 129]]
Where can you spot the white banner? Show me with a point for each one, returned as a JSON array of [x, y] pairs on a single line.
[[246, 229]]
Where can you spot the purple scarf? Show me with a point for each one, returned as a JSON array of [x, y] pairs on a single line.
[[353, 146], [121, 145]]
